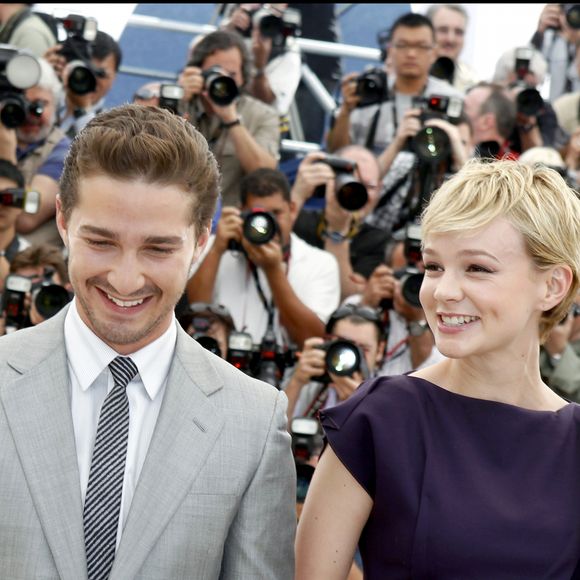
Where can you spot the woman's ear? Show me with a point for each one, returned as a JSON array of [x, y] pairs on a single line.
[[558, 282]]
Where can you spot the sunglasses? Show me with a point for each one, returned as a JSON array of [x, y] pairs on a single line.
[[371, 314]]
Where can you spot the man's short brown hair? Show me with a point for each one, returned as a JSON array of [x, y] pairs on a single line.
[[132, 142]]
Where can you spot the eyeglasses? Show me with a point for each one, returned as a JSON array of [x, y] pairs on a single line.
[[404, 47], [371, 314]]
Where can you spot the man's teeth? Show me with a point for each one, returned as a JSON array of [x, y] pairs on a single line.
[[458, 320], [123, 303]]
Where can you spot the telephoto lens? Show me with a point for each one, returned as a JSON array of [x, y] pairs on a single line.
[[431, 144], [222, 89], [259, 227]]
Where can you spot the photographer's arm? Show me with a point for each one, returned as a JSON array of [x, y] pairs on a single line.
[[339, 134], [48, 189], [259, 86], [249, 152]]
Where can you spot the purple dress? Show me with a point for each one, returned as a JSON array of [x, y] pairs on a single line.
[[463, 488]]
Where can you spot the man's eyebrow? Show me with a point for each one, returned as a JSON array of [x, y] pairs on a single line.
[[105, 233]]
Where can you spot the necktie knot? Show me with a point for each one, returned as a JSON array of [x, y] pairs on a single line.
[[123, 370]]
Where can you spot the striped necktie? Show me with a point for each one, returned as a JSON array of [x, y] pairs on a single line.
[[105, 487]]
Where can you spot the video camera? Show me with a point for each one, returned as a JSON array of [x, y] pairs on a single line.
[[29, 201], [372, 87], [80, 32], [529, 102], [19, 70], [275, 24], [410, 276], [432, 144], [351, 194], [221, 88], [259, 227], [48, 297], [343, 358]]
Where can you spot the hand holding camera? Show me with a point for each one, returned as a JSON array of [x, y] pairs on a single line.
[[311, 174], [229, 228], [379, 287], [350, 97]]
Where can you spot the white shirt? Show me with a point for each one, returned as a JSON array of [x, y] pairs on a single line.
[[312, 273], [91, 381]]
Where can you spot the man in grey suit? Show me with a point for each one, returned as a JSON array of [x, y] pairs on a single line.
[[205, 484]]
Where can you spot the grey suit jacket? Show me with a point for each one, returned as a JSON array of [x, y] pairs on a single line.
[[216, 495]]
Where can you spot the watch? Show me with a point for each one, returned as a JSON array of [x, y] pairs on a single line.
[[417, 327], [231, 124], [335, 237]]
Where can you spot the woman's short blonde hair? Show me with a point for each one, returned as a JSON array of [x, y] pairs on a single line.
[[537, 202]]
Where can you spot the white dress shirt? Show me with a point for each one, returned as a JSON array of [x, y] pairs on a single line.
[[91, 381]]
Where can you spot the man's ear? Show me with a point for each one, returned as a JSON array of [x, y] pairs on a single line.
[[201, 242], [61, 222], [558, 282]]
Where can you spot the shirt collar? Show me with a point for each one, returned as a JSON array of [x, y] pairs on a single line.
[[88, 355]]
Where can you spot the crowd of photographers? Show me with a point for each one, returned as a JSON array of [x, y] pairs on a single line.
[[309, 280]]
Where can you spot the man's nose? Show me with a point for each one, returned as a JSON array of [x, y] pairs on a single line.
[[126, 275]]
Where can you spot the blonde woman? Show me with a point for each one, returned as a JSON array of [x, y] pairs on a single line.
[[469, 468]]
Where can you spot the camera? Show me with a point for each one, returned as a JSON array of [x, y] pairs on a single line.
[[572, 12], [443, 68], [240, 351], [29, 201], [200, 325], [48, 297], [222, 88], [307, 442], [432, 143], [343, 358], [19, 70], [372, 87], [277, 25], [529, 102], [14, 302], [351, 194], [80, 33], [259, 227], [269, 364], [170, 96]]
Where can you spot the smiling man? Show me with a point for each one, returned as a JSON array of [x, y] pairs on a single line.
[[129, 450]]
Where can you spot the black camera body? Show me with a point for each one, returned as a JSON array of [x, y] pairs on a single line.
[[343, 358], [307, 443], [443, 68], [19, 70], [277, 26], [372, 87], [259, 228], [351, 194], [221, 88], [28, 201], [76, 48], [14, 302], [170, 96], [529, 102]]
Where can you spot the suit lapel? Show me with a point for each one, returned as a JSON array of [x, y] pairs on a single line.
[[186, 431], [37, 407]]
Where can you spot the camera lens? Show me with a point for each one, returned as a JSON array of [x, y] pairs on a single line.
[[352, 195], [529, 102], [443, 68], [51, 299], [271, 26], [432, 144], [573, 16], [221, 88], [13, 112], [343, 358], [209, 343], [259, 227], [410, 288], [81, 80]]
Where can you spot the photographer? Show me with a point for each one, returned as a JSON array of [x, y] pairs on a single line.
[[243, 133], [394, 287], [275, 281], [357, 246], [521, 70], [45, 267], [270, 29], [103, 58], [560, 356], [411, 52], [307, 390], [38, 148]]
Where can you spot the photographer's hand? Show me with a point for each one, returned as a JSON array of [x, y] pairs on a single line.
[[8, 144], [229, 227], [310, 175], [346, 386], [410, 126], [55, 59], [261, 49], [240, 18], [550, 17], [192, 82], [266, 256], [379, 286], [339, 134]]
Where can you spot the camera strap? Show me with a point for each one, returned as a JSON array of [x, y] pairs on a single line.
[[371, 135], [13, 24], [270, 308], [317, 402]]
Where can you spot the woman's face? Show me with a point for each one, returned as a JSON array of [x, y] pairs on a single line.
[[482, 293]]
